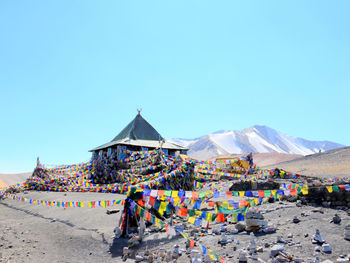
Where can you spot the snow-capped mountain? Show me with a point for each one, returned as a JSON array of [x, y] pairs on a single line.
[[256, 139]]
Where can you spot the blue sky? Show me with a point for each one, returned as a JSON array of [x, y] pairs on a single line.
[[73, 73]]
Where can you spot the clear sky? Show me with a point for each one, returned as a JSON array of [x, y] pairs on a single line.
[[73, 73]]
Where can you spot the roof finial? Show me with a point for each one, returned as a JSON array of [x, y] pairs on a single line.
[[139, 111]]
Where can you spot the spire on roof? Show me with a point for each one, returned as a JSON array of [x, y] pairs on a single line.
[[139, 129]]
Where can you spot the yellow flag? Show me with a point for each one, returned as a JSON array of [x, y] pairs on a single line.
[[330, 189], [256, 201], [192, 219], [176, 200], [305, 189], [157, 221], [162, 207], [174, 194], [241, 193], [208, 217]]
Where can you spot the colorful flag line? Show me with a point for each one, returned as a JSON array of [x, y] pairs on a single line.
[[90, 204]]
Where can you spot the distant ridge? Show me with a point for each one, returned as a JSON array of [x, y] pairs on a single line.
[[333, 163], [256, 139], [10, 179]]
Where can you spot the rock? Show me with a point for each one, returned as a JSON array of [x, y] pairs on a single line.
[[296, 220], [275, 250], [299, 203], [117, 232], [240, 227], [318, 249], [336, 219], [292, 198], [290, 235], [252, 246], [260, 249], [216, 231], [269, 229], [109, 212], [326, 248], [231, 229], [177, 250], [138, 258], [347, 235], [279, 239], [342, 260], [242, 256], [306, 235], [266, 245], [223, 240]]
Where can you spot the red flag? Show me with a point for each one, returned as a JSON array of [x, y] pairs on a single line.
[[148, 216], [211, 203], [192, 243], [261, 193], [182, 212], [220, 217], [152, 200], [141, 202]]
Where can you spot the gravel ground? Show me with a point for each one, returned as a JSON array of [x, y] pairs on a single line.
[[36, 233]]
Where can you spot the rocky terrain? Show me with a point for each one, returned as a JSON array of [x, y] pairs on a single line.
[[37, 233]]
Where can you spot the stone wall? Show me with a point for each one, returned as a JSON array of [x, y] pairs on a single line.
[[249, 185], [321, 196]]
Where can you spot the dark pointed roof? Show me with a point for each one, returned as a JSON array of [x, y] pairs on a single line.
[[139, 129], [140, 133]]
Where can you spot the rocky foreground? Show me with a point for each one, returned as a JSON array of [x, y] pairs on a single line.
[[36, 233]]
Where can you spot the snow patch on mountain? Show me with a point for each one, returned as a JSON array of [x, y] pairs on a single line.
[[256, 139]]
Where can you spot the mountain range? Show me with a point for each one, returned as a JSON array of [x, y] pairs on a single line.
[[256, 139]]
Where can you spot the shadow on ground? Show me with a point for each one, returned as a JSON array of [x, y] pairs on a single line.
[[116, 249]]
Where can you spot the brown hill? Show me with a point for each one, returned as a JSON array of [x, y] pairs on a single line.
[[10, 179], [331, 163]]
